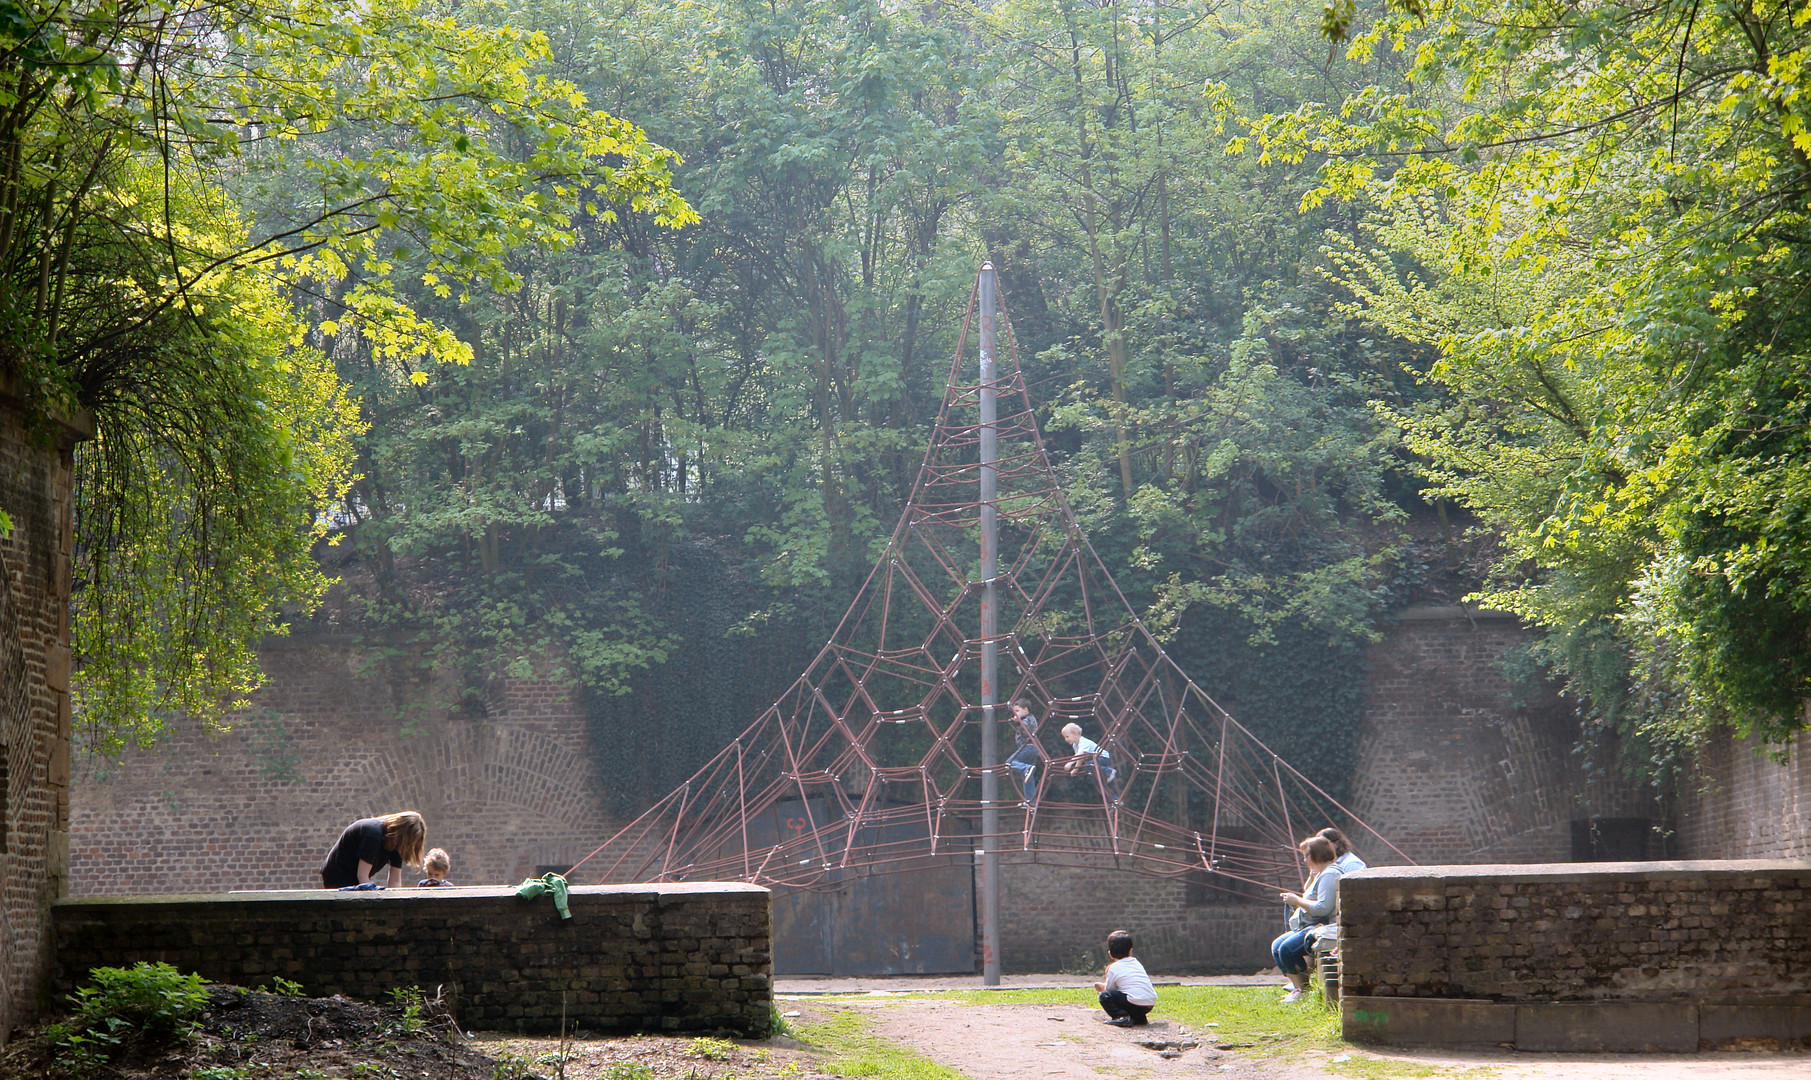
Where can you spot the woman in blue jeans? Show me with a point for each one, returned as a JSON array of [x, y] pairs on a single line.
[[1311, 907]]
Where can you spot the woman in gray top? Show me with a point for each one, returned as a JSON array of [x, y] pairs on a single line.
[[1311, 907]]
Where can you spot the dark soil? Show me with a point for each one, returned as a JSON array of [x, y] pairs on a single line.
[[254, 1035]]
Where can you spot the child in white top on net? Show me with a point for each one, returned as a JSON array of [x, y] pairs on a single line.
[[1127, 995]]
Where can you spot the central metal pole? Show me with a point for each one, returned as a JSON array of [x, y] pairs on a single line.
[[990, 649]]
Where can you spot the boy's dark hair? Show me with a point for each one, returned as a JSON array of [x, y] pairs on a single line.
[[1119, 944], [1338, 839], [1023, 702]]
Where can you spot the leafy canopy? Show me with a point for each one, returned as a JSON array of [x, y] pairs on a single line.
[[1597, 214]]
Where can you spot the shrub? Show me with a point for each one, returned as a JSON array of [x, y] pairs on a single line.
[[155, 998]]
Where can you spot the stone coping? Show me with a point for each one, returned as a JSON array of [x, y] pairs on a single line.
[[1454, 613], [1676, 1025], [637, 892], [1540, 872]]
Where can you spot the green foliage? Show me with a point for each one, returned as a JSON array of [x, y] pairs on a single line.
[[708, 1049], [777, 1023], [131, 287], [627, 1070], [410, 1000], [152, 1001], [285, 988], [154, 998], [1595, 215], [513, 1066], [220, 1072], [672, 455]]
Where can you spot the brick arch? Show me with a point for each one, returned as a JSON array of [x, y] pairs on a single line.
[[478, 770]]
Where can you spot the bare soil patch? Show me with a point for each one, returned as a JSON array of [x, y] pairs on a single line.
[[253, 1035]]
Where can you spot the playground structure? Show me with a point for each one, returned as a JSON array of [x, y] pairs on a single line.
[[884, 755]]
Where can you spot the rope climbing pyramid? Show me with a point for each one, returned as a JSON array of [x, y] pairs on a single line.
[[891, 750]]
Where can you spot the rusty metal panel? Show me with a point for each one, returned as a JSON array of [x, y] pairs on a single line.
[[917, 922], [801, 932]]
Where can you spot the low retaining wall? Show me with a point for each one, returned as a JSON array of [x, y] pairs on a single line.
[[685, 957], [1579, 956]]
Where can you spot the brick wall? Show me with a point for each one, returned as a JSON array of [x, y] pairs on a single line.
[[632, 958], [1453, 768], [1742, 803], [337, 735], [1056, 917], [1674, 956], [35, 474], [1562, 933]]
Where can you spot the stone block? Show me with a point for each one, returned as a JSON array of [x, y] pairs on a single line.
[[1612, 1026], [1787, 1023], [1399, 1021]]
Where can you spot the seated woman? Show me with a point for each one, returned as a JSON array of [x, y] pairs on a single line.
[[1348, 860], [1310, 908]]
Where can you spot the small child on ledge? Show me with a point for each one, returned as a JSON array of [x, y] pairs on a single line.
[[1127, 995], [435, 865]]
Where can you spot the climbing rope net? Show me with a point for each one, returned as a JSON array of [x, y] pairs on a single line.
[[871, 762]]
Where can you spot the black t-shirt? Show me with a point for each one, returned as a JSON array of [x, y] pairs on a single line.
[[362, 841], [1026, 730]]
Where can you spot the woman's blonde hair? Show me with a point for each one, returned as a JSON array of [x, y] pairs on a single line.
[[406, 834]]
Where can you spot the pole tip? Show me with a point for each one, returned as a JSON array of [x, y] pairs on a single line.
[[986, 267]]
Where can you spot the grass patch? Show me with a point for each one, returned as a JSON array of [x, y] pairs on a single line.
[[1377, 1068], [1252, 1019], [858, 1052]]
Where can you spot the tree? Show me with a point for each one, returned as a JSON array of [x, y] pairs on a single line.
[[1614, 277], [130, 287]]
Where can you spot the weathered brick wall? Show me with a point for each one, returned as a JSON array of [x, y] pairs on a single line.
[[695, 957], [35, 476], [1741, 803], [1056, 917], [336, 735], [1453, 769], [1559, 933]]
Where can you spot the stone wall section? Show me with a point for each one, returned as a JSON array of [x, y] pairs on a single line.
[[36, 469], [632, 958], [1055, 916], [1453, 768], [1567, 933], [336, 734], [1660, 956], [1744, 803]]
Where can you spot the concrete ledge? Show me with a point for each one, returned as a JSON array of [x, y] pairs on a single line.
[[1679, 1026], [1608, 1025], [1431, 878], [1426, 1021], [696, 956]]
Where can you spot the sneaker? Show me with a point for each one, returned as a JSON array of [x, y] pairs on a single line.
[[1293, 996], [1139, 1021], [1118, 1021]]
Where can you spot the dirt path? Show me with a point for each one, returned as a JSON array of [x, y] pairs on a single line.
[[1031, 1042], [1068, 1042]]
